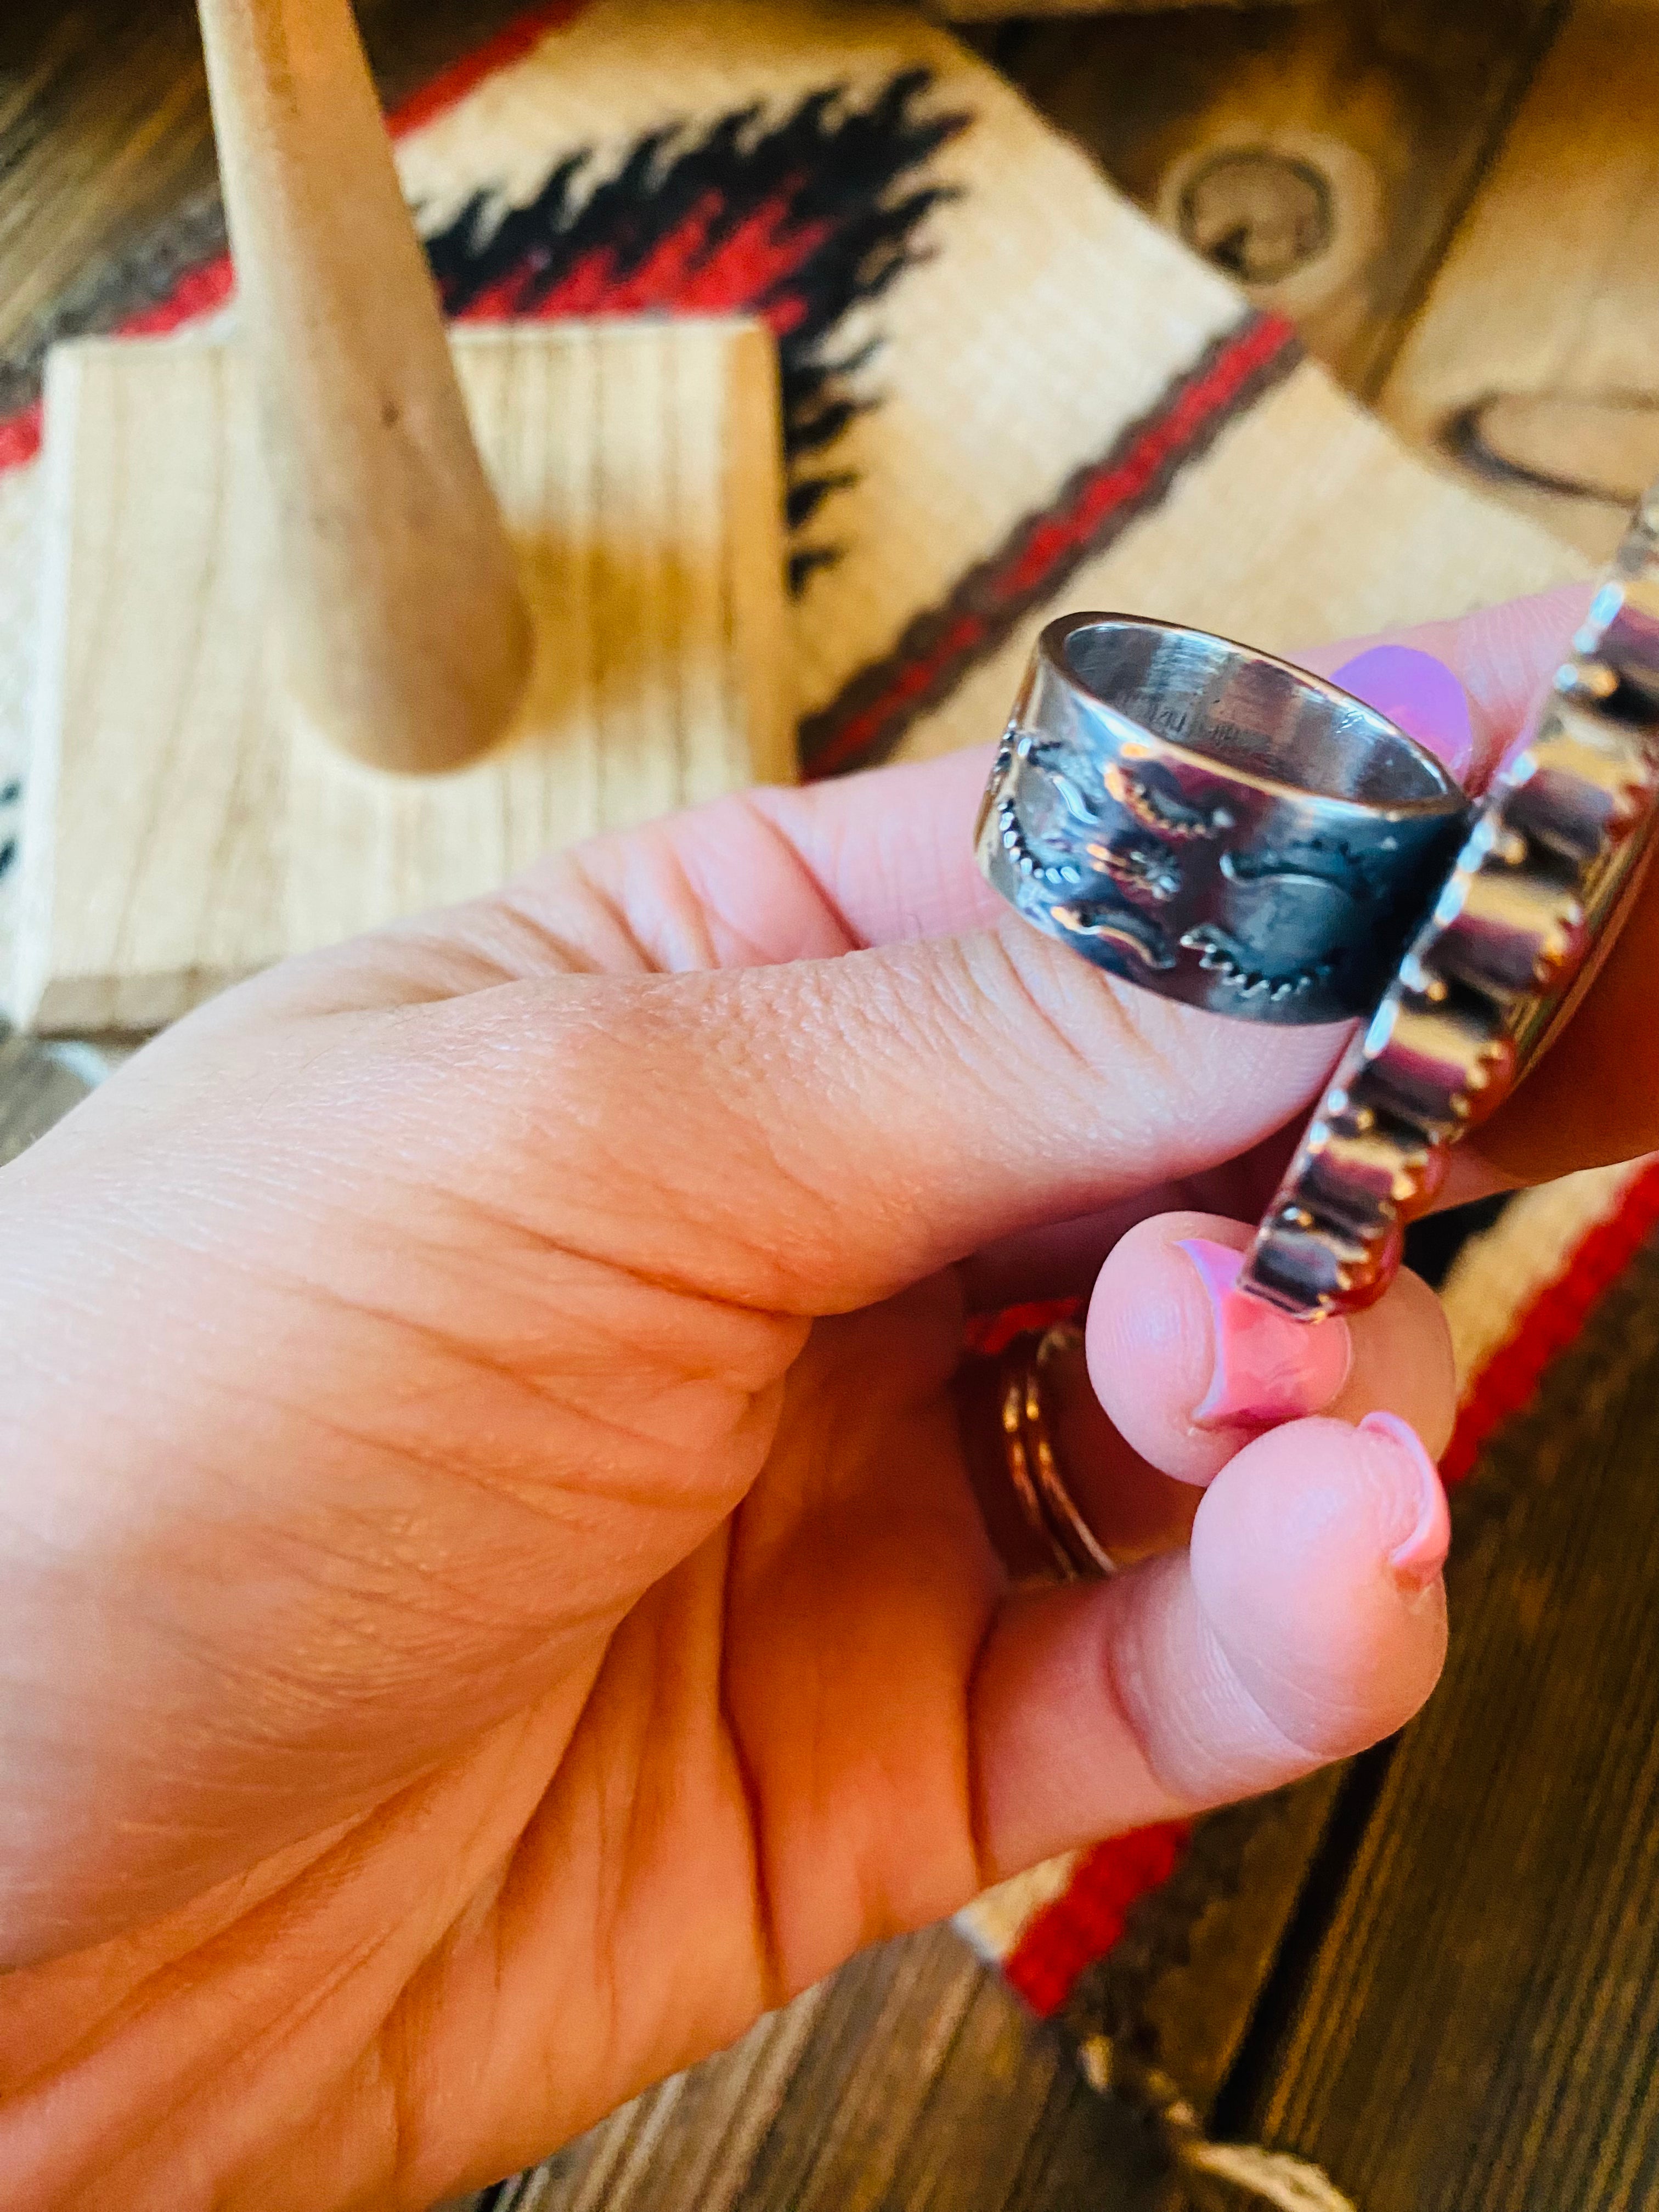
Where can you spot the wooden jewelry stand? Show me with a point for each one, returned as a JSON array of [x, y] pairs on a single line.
[[344, 618]]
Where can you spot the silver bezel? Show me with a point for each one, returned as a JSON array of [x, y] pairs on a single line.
[[1535, 894]]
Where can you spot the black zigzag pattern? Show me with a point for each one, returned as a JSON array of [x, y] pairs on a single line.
[[796, 219]]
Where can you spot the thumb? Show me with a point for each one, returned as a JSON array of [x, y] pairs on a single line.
[[812, 1133], [1306, 1620], [812, 1136], [809, 1134]]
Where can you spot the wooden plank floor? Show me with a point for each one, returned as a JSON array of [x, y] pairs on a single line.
[[1548, 389], [1435, 1972], [1470, 2018], [107, 182], [1321, 155], [914, 2078]]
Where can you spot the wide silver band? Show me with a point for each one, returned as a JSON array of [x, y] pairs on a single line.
[[1537, 892], [1211, 823]]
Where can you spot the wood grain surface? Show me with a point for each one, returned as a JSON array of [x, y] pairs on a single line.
[[914, 2079], [107, 180], [1474, 2020], [1321, 155], [1459, 206], [1534, 362], [184, 826]]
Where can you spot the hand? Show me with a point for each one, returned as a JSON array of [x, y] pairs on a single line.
[[491, 1597]]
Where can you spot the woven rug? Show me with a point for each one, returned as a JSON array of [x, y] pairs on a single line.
[[1006, 394]]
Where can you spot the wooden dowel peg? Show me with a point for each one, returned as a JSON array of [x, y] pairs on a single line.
[[404, 634]]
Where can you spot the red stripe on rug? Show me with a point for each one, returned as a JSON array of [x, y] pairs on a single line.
[[205, 288], [1065, 1938], [200, 292], [1506, 1383], [1189, 413], [872, 711], [987, 1334], [684, 274], [510, 44], [20, 436]]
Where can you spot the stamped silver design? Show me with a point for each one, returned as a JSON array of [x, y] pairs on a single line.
[[1212, 823], [1537, 892]]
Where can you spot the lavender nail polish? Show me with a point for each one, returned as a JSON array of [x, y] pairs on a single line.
[[1418, 693]]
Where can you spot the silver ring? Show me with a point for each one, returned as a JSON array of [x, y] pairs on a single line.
[[1211, 823], [1539, 889]]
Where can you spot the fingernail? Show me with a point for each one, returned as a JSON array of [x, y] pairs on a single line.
[[1266, 1368], [1418, 693], [1417, 1501]]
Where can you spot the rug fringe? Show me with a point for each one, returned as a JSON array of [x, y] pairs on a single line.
[[1275, 2178]]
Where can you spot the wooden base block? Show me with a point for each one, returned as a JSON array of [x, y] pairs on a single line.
[[182, 831]]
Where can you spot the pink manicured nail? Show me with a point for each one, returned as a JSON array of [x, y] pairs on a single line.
[[1267, 1368], [1418, 693], [1420, 1553]]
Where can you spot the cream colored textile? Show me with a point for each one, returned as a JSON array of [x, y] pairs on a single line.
[[1036, 399]]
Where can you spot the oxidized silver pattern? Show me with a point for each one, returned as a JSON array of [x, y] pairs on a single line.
[[1537, 892], [1211, 823]]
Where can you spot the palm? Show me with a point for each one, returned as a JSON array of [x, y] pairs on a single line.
[[769, 1770], [762, 1765]]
